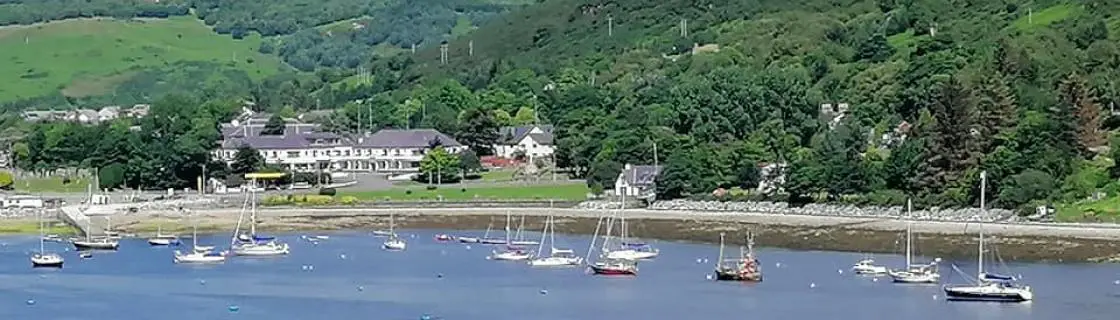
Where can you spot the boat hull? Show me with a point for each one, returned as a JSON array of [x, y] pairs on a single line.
[[632, 255], [974, 294], [163, 242], [510, 256], [468, 240], [261, 250], [394, 245], [46, 262], [86, 245], [492, 241], [198, 258], [724, 275], [869, 270], [556, 262], [613, 271], [524, 243], [918, 278]]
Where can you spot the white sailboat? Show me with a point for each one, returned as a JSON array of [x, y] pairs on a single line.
[[253, 244], [44, 258], [605, 265], [163, 239], [394, 243], [988, 286], [511, 252], [105, 242], [519, 239], [198, 253], [557, 257], [630, 250], [914, 273]]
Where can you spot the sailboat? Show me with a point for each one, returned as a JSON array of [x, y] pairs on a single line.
[[163, 239], [630, 250], [519, 239], [100, 243], [198, 253], [914, 273], [989, 286], [556, 257], [607, 265], [394, 242], [511, 252], [486, 239], [745, 268], [253, 244], [44, 258], [463, 239]]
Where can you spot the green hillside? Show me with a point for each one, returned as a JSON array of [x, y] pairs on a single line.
[[1018, 91], [89, 56]]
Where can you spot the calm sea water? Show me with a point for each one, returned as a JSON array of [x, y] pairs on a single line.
[[351, 278]]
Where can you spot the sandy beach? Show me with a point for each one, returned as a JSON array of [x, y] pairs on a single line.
[[941, 239]]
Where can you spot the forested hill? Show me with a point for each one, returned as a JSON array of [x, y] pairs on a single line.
[[936, 90]]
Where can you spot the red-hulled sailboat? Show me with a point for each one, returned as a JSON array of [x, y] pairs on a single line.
[[615, 267], [444, 238]]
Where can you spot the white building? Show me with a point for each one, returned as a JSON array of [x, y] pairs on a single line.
[[300, 148], [21, 201], [637, 181], [533, 141]]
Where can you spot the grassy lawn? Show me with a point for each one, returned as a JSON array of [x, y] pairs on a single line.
[[89, 56], [1104, 210], [1044, 17], [454, 192], [32, 227], [51, 184]]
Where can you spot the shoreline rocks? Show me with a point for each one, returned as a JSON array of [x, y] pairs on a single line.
[[817, 209]]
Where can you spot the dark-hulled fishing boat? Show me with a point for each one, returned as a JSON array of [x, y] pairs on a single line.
[[745, 268]]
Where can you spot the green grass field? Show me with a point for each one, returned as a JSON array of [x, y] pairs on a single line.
[[32, 227], [89, 56], [1104, 210], [572, 192], [1044, 17]]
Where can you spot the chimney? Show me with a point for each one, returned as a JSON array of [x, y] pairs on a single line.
[[627, 167]]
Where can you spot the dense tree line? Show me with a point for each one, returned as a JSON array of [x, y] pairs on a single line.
[[35, 11], [969, 87]]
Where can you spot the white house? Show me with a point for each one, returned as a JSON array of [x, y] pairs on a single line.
[[21, 201], [534, 141], [637, 181], [300, 148]]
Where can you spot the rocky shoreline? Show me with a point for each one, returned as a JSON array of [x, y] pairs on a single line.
[[816, 209], [936, 239]]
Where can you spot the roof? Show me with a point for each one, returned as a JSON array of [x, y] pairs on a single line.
[[415, 138], [513, 135], [254, 129], [294, 141], [640, 175]]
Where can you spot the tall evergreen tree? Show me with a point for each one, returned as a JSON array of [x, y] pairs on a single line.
[[952, 147], [1082, 114], [996, 111]]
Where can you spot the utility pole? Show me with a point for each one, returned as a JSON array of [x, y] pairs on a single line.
[[610, 25], [443, 53], [684, 27], [654, 153], [470, 48]]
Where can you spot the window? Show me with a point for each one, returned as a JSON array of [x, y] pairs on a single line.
[[274, 155], [347, 153], [293, 154]]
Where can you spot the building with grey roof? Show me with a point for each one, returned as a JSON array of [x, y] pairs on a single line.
[[302, 148], [637, 181], [532, 141]]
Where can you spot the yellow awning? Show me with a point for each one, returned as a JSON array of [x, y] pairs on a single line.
[[263, 175]]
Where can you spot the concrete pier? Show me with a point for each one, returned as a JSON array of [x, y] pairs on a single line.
[[87, 225]]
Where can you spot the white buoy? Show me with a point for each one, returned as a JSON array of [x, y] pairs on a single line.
[[487, 257], [874, 279], [840, 271], [468, 247], [30, 302], [202, 281], [439, 275], [1117, 282], [778, 265], [413, 236], [698, 260], [361, 288], [935, 297], [342, 256], [234, 308], [544, 291], [813, 285], [708, 276], [309, 268]]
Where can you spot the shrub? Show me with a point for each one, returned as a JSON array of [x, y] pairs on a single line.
[[327, 192], [432, 187], [349, 200], [318, 200], [277, 200], [408, 191], [464, 190], [6, 180]]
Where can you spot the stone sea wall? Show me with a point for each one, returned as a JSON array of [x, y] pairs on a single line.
[[931, 214]]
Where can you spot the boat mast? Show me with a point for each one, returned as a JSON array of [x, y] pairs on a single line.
[[719, 262], [41, 246], [622, 218], [909, 232], [508, 218], [253, 209], [983, 210], [547, 221]]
